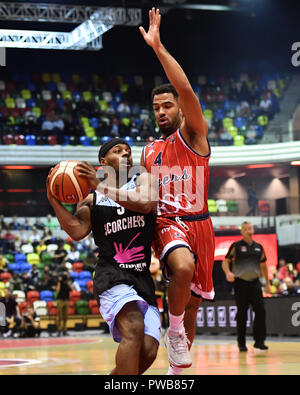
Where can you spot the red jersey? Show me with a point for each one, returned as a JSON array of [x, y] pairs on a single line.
[[183, 176]]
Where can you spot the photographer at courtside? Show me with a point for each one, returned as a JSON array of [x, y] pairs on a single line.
[[63, 288]]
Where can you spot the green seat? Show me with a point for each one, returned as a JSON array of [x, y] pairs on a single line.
[[9, 257], [208, 114], [238, 140], [233, 130], [263, 120], [96, 141], [212, 206], [227, 122], [82, 307], [232, 206]]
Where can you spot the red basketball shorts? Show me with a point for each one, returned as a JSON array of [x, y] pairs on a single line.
[[196, 235]]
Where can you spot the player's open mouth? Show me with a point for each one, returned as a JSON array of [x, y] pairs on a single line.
[[163, 121]]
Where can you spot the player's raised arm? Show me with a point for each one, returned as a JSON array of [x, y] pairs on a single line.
[[194, 121]]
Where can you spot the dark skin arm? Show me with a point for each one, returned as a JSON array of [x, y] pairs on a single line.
[[78, 226]]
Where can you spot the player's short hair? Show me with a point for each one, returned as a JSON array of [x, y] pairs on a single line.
[[164, 88], [247, 223]]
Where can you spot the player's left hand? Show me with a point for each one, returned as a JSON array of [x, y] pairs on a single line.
[[267, 289], [152, 37], [86, 170]]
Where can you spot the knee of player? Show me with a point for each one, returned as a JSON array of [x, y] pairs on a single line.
[[134, 327], [184, 269]]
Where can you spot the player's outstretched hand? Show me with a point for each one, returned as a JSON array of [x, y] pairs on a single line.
[[152, 37]]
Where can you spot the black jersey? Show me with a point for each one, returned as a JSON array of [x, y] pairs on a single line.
[[124, 240]]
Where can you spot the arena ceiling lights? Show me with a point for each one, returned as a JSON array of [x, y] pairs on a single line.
[[93, 23]]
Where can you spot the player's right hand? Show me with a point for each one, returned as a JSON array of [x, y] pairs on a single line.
[[152, 37], [230, 277]]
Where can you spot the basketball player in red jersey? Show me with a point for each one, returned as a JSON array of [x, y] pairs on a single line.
[[184, 237]]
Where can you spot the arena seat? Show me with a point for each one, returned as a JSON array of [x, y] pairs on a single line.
[[32, 296], [8, 139], [96, 141], [2, 286], [19, 295], [5, 277], [40, 307], [227, 122], [33, 258], [74, 275], [263, 207], [30, 139], [239, 140], [232, 206], [222, 206], [85, 141], [20, 258], [82, 282], [93, 306], [85, 274], [82, 307], [23, 307], [78, 267], [46, 295], [212, 206], [52, 140], [75, 295], [90, 286], [52, 307], [19, 139]]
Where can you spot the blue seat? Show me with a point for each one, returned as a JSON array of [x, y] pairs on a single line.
[[30, 139], [219, 114], [76, 96], [20, 258], [46, 295], [82, 283], [105, 139], [51, 86], [74, 275], [118, 97], [85, 140], [31, 103], [128, 140], [227, 105], [14, 267], [85, 275], [259, 131], [94, 122], [239, 122], [24, 267], [203, 105]]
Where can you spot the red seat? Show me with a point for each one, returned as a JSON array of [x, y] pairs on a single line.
[[77, 267], [52, 140], [32, 296], [75, 295], [8, 139], [52, 307], [264, 206], [19, 139], [89, 286], [14, 112], [93, 306], [5, 276], [22, 307], [71, 310]]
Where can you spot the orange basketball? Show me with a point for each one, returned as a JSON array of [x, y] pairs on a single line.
[[66, 185]]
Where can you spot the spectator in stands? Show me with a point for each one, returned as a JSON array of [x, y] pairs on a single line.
[[12, 314], [60, 255], [243, 109], [35, 237], [225, 137], [26, 225], [73, 255], [123, 109], [63, 288], [3, 224], [57, 124], [252, 201], [41, 247], [38, 224], [47, 235], [30, 325], [266, 105], [3, 263], [28, 282], [15, 224], [290, 288], [51, 223], [251, 132], [16, 283]]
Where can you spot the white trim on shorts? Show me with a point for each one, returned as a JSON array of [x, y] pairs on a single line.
[[205, 295], [114, 299]]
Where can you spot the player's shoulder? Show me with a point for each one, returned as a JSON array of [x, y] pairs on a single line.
[[87, 201]]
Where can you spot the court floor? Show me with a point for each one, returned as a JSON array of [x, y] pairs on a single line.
[[92, 353]]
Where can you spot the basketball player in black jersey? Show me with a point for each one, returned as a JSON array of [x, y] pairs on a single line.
[[122, 282]]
